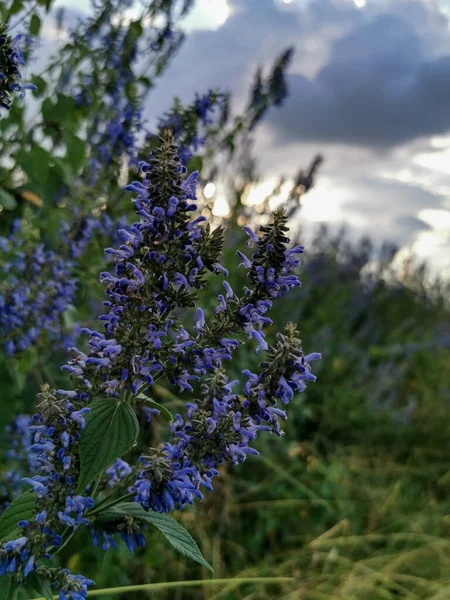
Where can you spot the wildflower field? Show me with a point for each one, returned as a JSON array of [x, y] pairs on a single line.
[[199, 402]]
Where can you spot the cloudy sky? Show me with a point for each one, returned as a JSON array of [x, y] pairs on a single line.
[[369, 89]]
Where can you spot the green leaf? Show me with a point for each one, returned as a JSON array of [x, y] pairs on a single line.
[[16, 7], [5, 584], [135, 30], [165, 413], [46, 3], [26, 361], [11, 386], [59, 175], [35, 163], [75, 150], [195, 164], [41, 85], [229, 141], [7, 200], [62, 111], [62, 172], [22, 508], [46, 109], [12, 590], [111, 430], [35, 583], [175, 534], [145, 81], [35, 24]]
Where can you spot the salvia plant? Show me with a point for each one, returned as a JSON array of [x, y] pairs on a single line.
[[38, 284], [36, 287], [11, 60], [76, 186], [153, 329], [71, 454], [19, 457], [190, 124]]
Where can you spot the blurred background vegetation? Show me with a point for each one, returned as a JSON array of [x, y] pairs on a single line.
[[353, 502]]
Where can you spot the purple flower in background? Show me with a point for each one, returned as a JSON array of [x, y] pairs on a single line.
[[38, 288], [190, 125], [11, 60]]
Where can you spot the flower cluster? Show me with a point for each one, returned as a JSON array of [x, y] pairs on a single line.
[[19, 457], [153, 328], [77, 235], [189, 124], [131, 532], [159, 269], [55, 432], [120, 136], [70, 587], [38, 285], [11, 60], [114, 130], [220, 427], [110, 144]]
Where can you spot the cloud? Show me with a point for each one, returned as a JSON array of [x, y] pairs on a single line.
[[378, 77], [386, 210], [254, 34], [367, 88], [383, 86]]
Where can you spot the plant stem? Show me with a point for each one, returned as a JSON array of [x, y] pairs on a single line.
[[97, 484], [153, 587], [65, 542], [145, 386], [22, 18], [104, 505]]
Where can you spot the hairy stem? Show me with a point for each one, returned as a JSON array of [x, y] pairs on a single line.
[[105, 505]]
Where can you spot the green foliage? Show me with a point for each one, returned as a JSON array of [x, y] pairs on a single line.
[[35, 24], [46, 3], [111, 431], [38, 585], [32, 586], [22, 508], [16, 7], [36, 164], [175, 534], [11, 387], [7, 200], [12, 590], [75, 151]]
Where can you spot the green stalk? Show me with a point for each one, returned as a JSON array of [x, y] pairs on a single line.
[[66, 537], [153, 587], [145, 386], [65, 542], [95, 489], [104, 505]]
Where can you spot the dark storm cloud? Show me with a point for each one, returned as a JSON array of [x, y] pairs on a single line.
[[385, 83], [379, 89]]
